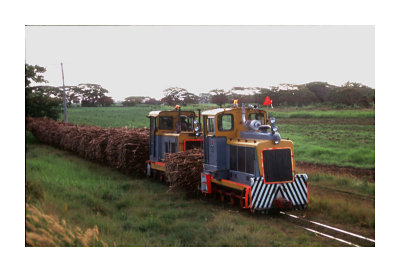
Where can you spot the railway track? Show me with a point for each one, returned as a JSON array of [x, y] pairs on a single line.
[[345, 237]]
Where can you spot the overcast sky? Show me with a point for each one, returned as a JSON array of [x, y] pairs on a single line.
[[145, 60]]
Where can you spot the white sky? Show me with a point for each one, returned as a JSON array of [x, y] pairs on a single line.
[[145, 60]]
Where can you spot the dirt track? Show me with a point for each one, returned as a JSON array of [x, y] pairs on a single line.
[[342, 121], [367, 174]]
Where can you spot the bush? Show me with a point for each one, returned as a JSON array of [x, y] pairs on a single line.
[[39, 105]]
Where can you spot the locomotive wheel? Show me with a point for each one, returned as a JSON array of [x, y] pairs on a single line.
[[156, 174], [215, 195], [232, 200]]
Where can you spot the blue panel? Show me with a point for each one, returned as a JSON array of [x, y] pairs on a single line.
[[217, 152], [160, 143]]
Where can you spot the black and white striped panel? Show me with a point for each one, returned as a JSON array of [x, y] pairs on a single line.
[[263, 194], [296, 191]]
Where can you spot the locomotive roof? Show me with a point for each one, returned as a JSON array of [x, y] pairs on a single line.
[[157, 113], [214, 111], [153, 113]]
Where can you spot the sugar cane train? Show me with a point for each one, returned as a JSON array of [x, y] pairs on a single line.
[[245, 159]]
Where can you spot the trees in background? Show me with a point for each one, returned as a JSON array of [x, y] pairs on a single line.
[[44, 100], [93, 95], [38, 101], [190, 98], [350, 94], [176, 95], [152, 101], [219, 97], [132, 101], [34, 74]]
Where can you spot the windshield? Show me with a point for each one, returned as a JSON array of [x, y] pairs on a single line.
[[187, 123], [257, 116]]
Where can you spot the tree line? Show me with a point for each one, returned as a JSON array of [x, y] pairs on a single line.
[[350, 94], [43, 100]]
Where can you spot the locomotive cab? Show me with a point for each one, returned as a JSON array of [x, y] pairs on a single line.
[[170, 132]]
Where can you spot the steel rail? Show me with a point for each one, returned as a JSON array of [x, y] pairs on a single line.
[[331, 237], [329, 227]]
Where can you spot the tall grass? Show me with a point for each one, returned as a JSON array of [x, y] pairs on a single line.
[[143, 212], [45, 230]]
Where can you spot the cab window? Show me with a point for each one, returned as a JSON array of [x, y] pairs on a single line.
[[257, 116], [186, 123], [166, 122], [210, 125], [225, 122]]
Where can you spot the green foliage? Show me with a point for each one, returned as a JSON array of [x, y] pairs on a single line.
[[38, 102], [219, 97], [190, 98], [143, 212], [34, 74], [178, 96], [314, 92], [352, 94], [132, 101], [320, 89], [38, 105], [93, 95]]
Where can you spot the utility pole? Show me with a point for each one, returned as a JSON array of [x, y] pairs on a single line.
[[64, 99]]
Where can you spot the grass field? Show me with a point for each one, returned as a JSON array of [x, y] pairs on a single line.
[[343, 138], [129, 211]]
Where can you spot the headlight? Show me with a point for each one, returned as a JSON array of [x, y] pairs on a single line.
[[196, 129], [272, 120], [275, 128], [197, 134], [196, 122], [276, 142]]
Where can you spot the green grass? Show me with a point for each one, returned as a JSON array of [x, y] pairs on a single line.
[[141, 212], [336, 143], [319, 136], [107, 117], [342, 183], [136, 116], [325, 114], [346, 202]]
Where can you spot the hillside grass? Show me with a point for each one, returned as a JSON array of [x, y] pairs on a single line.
[[128, 211], [320, 136], [332, 143]]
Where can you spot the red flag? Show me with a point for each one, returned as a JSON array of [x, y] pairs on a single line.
[[267, 101]]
